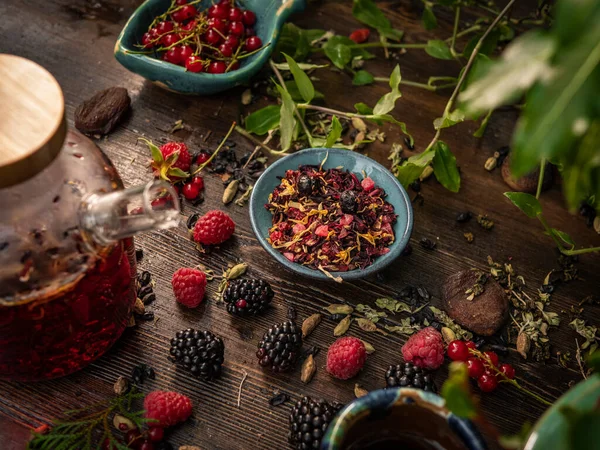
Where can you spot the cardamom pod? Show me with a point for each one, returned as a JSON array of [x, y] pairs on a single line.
[[310, 323], [122, 423], [427, 172], [360, 136], [359, 124], [523, 344], [230, 191], [246, 97], [359, 391], [368, 347], [448, 335], [343, 326], [139, 307], [308, 369], [340, 309], [491, 163], [366, 324], [121, 386], [236, 271]]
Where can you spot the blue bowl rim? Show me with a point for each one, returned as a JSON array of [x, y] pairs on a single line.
[[380, 263]]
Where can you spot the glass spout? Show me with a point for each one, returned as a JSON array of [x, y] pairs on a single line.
[[107, 218]]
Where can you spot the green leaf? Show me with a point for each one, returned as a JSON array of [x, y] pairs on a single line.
[[263, 120], [362, 77], [408, 173], [438, 49], [335, 133], [338, 53], [313, 35], [516, 441], [368, 13], [305, 86], [177, 172], [456, 392], [388, 101], [479, 69], [487, 48], [563, 237], [293, 41], [287, 122], [525, 202], [444, 167], [523, 62], [303, 66], [294, 91], [391, 33], [593, 361], [451, 119], [428, 18], [582, 427], [572, 18], [363, 108], [378, 118], [154, 151]]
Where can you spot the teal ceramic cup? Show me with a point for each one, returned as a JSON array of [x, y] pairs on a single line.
[[400, 418], [270, 17]]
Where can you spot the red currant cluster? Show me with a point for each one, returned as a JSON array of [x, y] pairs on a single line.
[[134, 439], [212, 41], [482, 366]]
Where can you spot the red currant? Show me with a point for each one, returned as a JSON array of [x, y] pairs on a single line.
[[217, 24], [235, 14], [170, 39], [471, 345], [173, 56], [194, 64], [475, 367], [458, 351], [218, 11], [487, 382], [156, 434], [185, 51], [225, 2], [164, 27], [253, 43], [360, 36], [217, 67], [232, 41], [236, 28], [202, 158], [211, 37], [235, 66], [181, 2], [185, 13], [491, 356], [250, 32], [147, 445], [190, 25], [198, 181], [248, 17], [147, 40], [190, 191], [226, 50], [133, 437], [508, 371], [106, 445], [241, 303]]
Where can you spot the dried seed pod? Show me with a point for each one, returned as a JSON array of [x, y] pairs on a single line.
[[523, 344], [340, 309], [236, 271], [246, 97], [310, 323], [359, 137], [230, 191], [469, 237], [308, 369], [101, 113], [359, 124], [427, 172], [491, 163], [366, 324], [359, 391], [122, 423], [597, 224], [368, 347], [448, 335], [139, 307], [121, 386], [343, 326], [131, 322]]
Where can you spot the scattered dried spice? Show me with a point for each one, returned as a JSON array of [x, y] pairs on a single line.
[[310, 323], [245, 197], [368, 325], [590, 300], [121, 386], [139, 307], [231, 273], [469, 237], [491, 163], [359, 391], [340, 309], [370, 313], [141, 373], [394, 306], [443, 318], [343, 326], [101, 113], [563, 359], [230, 191], [427, 244], [309, 368], [588, 332], [484, 222], [464, 217], [448, 335], [406, 327], [395, 157], [279, 399], [178, 125], [523, 344], [368, 347], [479, 286], [329, 220]]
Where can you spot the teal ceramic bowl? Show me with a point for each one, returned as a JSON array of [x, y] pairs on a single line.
[[270, 17], [261, 218], [551, 432], [400, 418]]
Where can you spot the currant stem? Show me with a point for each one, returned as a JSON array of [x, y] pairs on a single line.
[[428, 87], [454, 32], [259, 143], [541, 178], [208, 161]]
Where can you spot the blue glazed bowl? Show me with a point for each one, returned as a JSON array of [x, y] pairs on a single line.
[[270, 17], [404, 418], [261, 218]]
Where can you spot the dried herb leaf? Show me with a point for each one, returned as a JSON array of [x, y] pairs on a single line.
[[443, 318], [366, 324], [392, 305], [359, 391], [343, 326], [309, 369], [310, 323], [368, 347], [340, 309], [587, 331], [448, 335], [372, 314], [405, 327], [244, 198], [523, 344], [485, 222]]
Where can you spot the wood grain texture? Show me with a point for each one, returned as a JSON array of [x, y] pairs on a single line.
[[75, 40]]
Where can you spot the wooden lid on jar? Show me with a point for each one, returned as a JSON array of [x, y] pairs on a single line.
[[32, 121]]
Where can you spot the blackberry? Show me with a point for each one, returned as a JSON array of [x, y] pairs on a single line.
[[348, 201], [247, 296], [408, 375], [309, 420], [199, 352], [280, 347]]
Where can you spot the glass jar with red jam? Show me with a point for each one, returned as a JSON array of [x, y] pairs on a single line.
[[67, 258]]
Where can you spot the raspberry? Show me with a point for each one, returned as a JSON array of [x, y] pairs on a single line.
[[346, 357], [183, 161], [168, 408], [164, 168], [213, 228], [189, 286], [425, 349]]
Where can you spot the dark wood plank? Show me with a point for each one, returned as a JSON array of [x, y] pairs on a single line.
[[60, 35]]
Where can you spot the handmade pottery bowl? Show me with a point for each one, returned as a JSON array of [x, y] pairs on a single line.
[[270, 17], [261, 218], [400, 418]]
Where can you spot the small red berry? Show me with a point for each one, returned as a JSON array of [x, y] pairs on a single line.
[[147, 445], [190, 191], [241, 303], [190, 25], [211, 37], [226, 50], [250, 32], [156, 434], [235, 66], [346, 357], [236, 28], [173, 56], [475, 367], [164, 27], [133, 438], [217, 24], [181, 2], [253, 43], [493, 357], [487, 382], [458, 351], [232, 41], [189, 286], [183, 14], [219, 11], [508, 371], [194, 64], [170, 39], [235, 14], [185, 51], [217, 67], [248, 17], [202, 158], [147, 40], [213, 228], [360, 36], [198, 181], [471, 345]]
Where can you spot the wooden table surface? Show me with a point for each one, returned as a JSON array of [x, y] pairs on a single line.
[[74, 39]]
